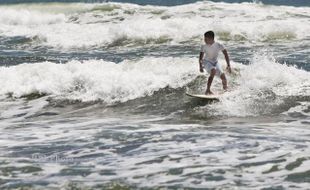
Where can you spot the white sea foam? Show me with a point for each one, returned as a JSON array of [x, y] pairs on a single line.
[[97, 79], [259, 88], [28, 18], [263, 87], [84, 25]]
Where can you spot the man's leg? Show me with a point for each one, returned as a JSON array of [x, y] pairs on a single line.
[[210, 79], [224, 81]]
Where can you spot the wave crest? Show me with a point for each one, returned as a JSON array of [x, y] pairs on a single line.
[[118, 24], [96, 79]]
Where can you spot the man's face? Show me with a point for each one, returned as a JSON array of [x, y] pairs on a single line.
[[209, 41]]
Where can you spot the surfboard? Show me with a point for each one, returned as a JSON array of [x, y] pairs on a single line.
[[204, 97]]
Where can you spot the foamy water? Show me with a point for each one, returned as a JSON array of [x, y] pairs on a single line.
[[93, 97], [80, 25]]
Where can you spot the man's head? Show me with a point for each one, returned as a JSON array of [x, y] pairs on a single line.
[[209, 37]]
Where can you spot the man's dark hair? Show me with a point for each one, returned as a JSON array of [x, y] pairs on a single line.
[[209, 34]]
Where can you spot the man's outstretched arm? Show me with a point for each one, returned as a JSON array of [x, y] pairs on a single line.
[[200, 61], [227, 60]]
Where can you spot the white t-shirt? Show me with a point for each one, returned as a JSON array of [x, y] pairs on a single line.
[[211, 52]]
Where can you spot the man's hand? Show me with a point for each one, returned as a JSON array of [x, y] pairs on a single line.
[[229, 69], [201, 69]]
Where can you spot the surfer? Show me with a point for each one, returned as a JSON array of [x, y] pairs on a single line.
[[208, 60]]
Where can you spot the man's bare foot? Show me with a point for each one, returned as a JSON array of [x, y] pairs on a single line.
[[208, 92]]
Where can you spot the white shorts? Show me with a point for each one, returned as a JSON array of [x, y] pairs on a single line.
[[209, 66]]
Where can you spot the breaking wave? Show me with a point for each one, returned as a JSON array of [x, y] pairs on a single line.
[[263, 87], [78, 25]]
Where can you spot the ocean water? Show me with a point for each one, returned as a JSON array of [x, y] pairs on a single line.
[[93, 95]]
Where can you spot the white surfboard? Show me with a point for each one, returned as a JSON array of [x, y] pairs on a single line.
[[204, 97]]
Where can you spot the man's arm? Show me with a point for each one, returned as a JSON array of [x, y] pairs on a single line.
[[200, 61], [227, 60]]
